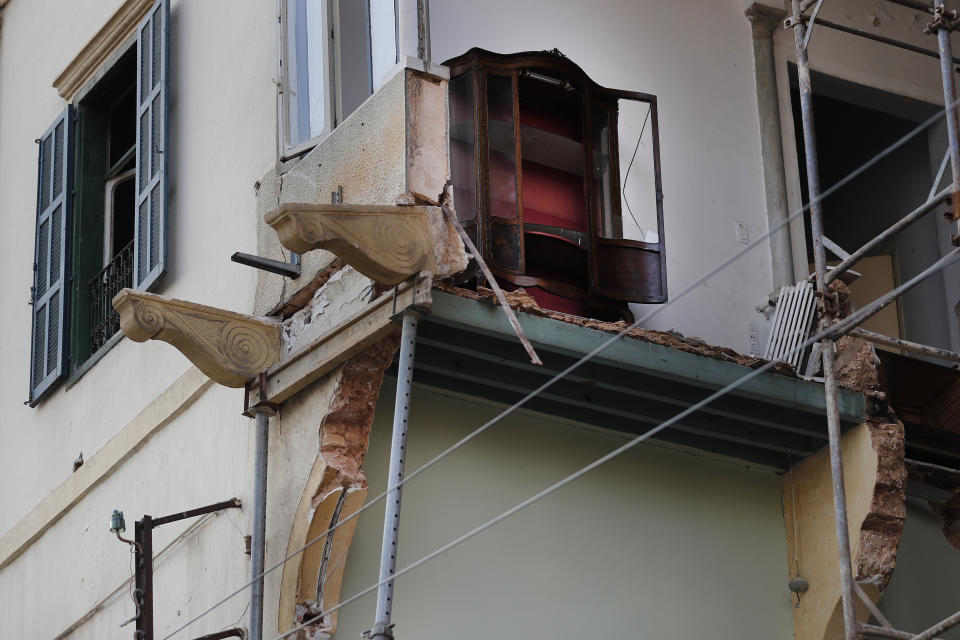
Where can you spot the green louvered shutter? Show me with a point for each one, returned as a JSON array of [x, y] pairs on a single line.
[[48, 352], [150, 241]]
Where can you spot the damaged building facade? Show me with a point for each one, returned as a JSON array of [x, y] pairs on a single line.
[[475, 196]]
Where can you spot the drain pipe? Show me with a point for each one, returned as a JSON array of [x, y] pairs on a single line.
[[257, 544], [383, 627]]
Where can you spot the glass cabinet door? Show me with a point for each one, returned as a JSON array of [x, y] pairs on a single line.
[[626, 197], [506, 244]]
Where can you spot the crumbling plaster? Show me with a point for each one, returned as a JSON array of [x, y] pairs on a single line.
[[343, 438]]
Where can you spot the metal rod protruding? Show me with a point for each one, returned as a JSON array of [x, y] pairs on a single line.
[[391, 519], [828, 346]]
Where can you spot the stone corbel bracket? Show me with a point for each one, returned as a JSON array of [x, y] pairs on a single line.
[[387, 243], [230, 348]]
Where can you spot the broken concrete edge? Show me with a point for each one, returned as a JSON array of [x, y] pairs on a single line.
[[874, 477], [344, 436], [326, 346], [230, 348], [519, 300]]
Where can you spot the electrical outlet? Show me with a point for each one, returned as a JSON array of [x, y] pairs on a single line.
[[753, 337], [743, 236]]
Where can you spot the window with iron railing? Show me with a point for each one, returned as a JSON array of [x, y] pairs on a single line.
[[104, 321]]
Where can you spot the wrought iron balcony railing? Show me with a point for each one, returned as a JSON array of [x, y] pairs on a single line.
[[104, 321]]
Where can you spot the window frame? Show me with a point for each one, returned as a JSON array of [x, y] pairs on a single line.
[[334, 113], [75, 360]]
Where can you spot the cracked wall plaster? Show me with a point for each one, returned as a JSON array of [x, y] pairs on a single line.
[[344, 435]]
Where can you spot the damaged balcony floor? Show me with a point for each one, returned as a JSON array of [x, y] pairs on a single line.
[[467, 346]]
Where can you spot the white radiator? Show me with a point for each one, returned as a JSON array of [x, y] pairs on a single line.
[[792, 322]]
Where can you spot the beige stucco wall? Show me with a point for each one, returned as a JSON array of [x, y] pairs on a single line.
[[657, 543]]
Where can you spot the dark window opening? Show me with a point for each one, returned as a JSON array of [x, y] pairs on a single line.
[[853, 123], [541, 185], [105, 220]]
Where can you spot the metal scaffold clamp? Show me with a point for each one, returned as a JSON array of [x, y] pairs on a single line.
[[943, 19], [379, 630]]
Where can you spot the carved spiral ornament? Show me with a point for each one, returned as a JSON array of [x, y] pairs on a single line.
[[245, 348], [387, 243], [229, 347], [149, 316], [404, 244]]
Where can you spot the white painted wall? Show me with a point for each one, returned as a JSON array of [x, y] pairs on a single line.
[[657, 543], [696, 57], [222, 115]]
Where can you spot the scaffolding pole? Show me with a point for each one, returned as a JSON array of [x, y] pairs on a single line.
[[827, 345], [942, 24]]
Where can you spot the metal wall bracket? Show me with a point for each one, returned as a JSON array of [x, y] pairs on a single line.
[[288, 269]]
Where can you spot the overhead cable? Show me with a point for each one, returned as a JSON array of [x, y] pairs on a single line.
[[921, 128], [947, 260]]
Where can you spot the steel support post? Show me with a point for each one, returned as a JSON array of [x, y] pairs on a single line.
[[382, 628], [949, 101], [143, 578], [827, 344], [258, 538]]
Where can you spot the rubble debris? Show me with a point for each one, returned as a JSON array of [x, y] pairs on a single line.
[[520, 300], [858, 366]]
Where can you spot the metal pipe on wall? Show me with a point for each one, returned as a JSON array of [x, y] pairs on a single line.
[[382, 628], [828, 346], [258, 541]]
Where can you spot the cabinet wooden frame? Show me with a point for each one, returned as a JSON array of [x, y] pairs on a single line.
[[619, 270]]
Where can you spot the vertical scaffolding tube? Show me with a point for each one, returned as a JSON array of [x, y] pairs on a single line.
[[257, 543], [391, 518], [949, 99], [828, 345]]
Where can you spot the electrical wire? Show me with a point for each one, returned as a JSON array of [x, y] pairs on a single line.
[[603, 346], [129, 581], [947, 260], [827, 332], [623, 189]]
